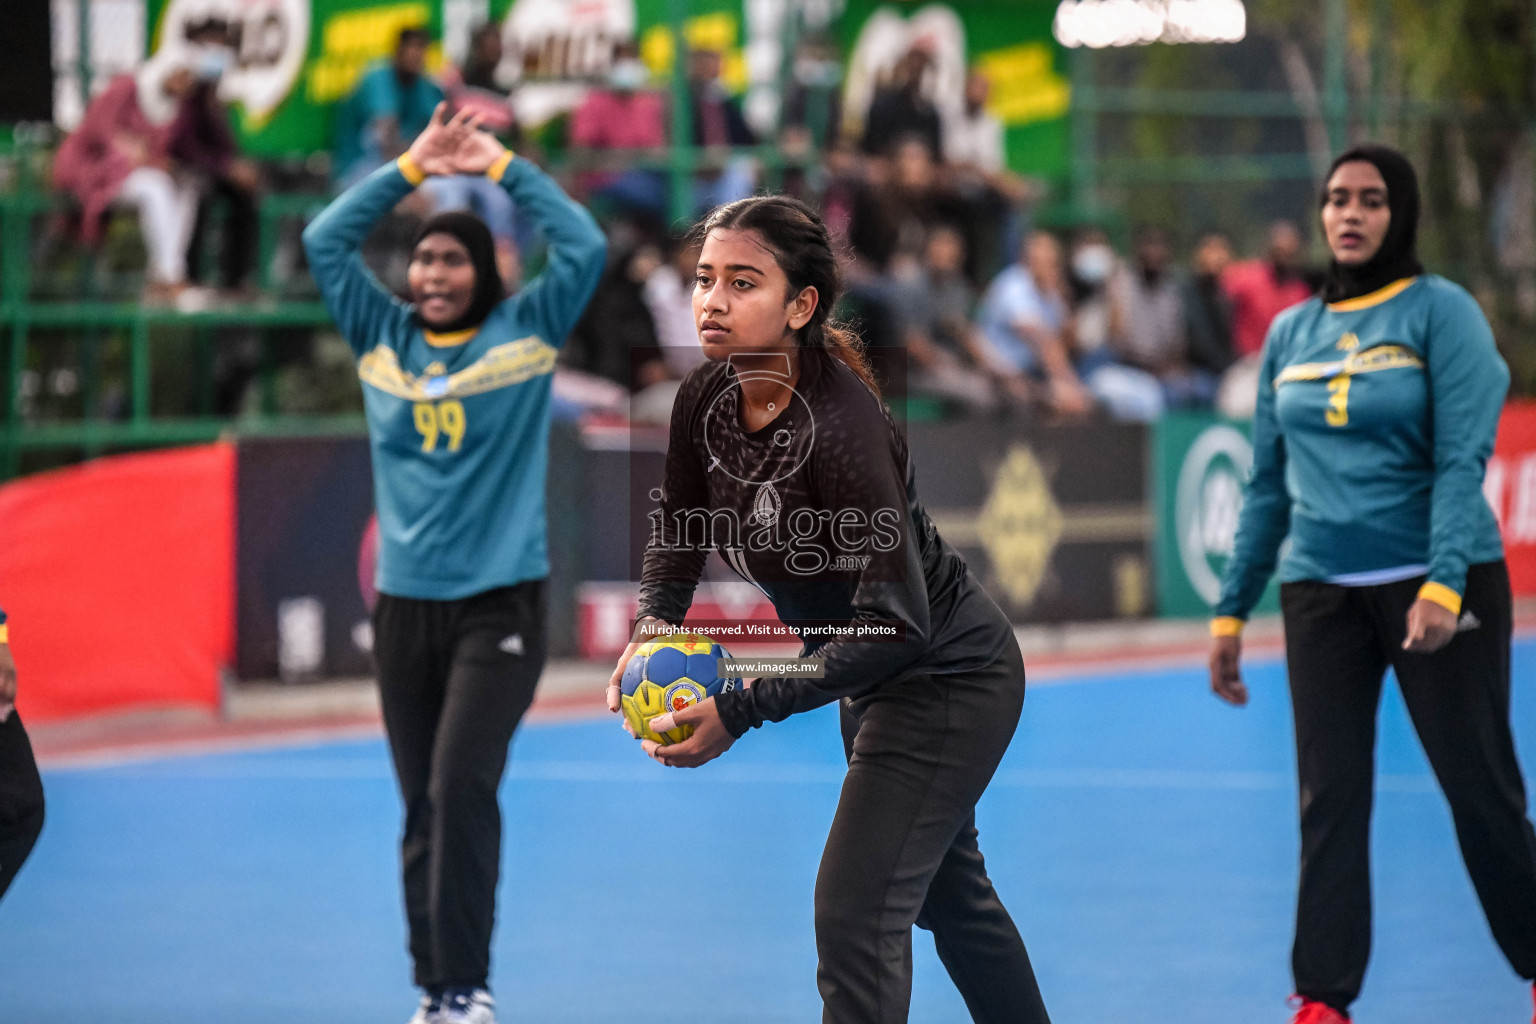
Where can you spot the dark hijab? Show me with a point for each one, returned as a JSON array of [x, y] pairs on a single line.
[[1397, 258], [472, 233]]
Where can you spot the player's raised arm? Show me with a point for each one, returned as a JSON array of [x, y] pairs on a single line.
[[577, 246], [358, 303]]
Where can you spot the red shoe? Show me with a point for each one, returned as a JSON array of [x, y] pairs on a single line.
[[1310, 1011]]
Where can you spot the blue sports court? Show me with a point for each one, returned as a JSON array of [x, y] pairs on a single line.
[[1142, 834]]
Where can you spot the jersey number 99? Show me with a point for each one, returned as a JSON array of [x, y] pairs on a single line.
[[434, 420]]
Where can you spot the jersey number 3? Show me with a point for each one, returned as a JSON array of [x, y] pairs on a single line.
[[1338, 402], [435, 420]]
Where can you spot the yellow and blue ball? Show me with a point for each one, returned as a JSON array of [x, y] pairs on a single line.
[[668, 674]]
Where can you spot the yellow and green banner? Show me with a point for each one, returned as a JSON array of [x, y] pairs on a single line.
[[1009, 41]]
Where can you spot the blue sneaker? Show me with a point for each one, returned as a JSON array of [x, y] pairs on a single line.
[[467, 1006]]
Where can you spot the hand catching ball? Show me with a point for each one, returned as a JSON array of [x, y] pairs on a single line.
[[668, 674]]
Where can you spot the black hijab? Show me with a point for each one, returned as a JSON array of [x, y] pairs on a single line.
[[476, 238], [1397, 258]]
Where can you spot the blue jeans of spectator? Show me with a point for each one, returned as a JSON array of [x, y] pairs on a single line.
[[1125, 392]]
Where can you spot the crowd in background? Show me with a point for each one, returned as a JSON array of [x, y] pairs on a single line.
[[963, 304]]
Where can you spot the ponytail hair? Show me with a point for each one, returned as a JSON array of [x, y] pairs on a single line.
[[800, 245]]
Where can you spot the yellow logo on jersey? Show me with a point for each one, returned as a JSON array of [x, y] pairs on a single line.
[[1382, 357], [1349, 342], [502, 366]]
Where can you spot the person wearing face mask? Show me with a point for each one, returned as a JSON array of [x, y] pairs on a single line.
[[1126, 392], [1378, 404], [625, 116], [203, 143], [456, 387]]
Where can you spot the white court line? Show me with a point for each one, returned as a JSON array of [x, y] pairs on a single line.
[[1046, 675], [134, 753], [791, 773]]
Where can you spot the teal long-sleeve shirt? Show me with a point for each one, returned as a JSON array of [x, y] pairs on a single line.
[[1375, 420], [458, 425]]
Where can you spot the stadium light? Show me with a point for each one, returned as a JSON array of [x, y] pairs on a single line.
[[1100, 23]]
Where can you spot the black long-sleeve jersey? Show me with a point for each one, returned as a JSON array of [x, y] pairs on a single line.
[[819, 509]]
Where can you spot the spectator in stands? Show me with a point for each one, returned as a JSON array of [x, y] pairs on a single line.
[[973, 139], [946, 355], [899, 201], [668, 295], [892, 205], [1261, 288], [478, 85], [203, 144], [1154, 339], [1026, 322], [813, 103], [624, 116], [616, 325], [480, 67], [392, 103], [1152, 305], [1208, 310], [900, 109], [1098, 319], [117, 154], [718, 123], [813, 111], [974, 150], [1096, 316]]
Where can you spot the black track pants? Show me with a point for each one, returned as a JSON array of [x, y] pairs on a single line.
[[21, 799], [455, 678], [1339, 642], [902, 851]]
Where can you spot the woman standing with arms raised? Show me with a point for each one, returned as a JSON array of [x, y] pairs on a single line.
[[457, 388], [1378, 404]]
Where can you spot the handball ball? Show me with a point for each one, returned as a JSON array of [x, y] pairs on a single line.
[[668, 674]]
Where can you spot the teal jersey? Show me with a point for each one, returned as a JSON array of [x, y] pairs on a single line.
[[458, 425], [1375, 420]]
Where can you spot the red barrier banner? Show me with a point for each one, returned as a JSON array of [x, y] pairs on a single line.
[[1510, 485], [118, 580]]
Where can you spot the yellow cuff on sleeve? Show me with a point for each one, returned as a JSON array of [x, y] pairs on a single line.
[[497, 169], [1442, 595], [413, 174], [5, 632], [1226, 625]]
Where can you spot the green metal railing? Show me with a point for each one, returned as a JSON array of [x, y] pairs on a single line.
[[23, 315]]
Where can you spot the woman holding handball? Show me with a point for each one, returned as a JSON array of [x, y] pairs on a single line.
[[1378, 404], [783, 458], [457, 388]]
